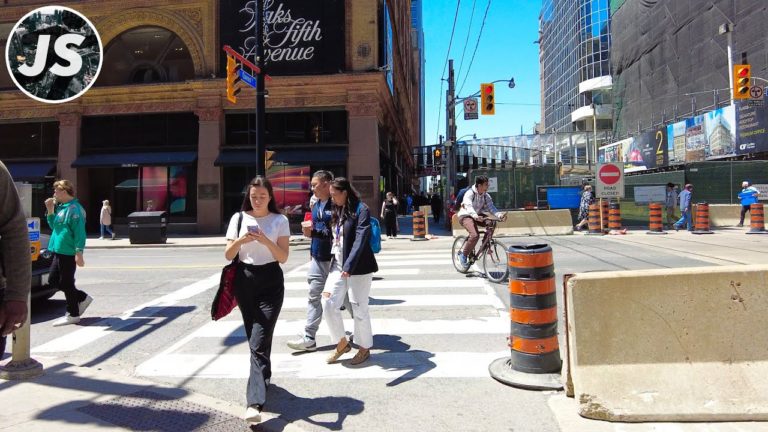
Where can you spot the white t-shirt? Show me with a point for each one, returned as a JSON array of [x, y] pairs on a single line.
[[255, 253]]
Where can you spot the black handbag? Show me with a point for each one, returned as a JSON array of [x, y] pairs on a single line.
[[224, 300]]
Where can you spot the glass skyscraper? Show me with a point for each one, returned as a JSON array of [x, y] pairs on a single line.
[[575, 41]]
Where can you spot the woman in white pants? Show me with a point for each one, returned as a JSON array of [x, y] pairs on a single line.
[[352, 268]]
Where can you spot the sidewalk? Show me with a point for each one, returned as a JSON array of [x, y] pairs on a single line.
[[78, 399]]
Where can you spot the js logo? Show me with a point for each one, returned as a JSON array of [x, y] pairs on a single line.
[[54, 54]]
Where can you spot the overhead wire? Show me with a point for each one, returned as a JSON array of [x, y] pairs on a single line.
[[482, 26], [447, 56], [466, 41]]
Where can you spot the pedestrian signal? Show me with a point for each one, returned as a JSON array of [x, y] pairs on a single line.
[[487, 99], [438, 155], [741, 76], [233, 78]]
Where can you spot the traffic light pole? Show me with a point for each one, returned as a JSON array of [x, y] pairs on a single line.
[[260, 119]]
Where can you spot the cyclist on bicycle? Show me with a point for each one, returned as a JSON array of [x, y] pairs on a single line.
[[475, 202]]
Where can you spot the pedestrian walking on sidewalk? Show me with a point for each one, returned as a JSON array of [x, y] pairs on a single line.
[[747, 196], [261, 245], [437, 207], [670, 201], [319, 230], [586, 200], [15, 271], [685, 208], [352, 268], [66, 217], [389, 215], [105, 220]]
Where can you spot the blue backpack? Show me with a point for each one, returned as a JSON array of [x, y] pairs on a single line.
[[375, 240]]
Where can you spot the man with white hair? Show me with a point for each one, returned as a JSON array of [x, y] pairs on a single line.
[[747, 196]]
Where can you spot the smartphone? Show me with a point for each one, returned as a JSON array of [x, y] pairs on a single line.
[[254, 229]]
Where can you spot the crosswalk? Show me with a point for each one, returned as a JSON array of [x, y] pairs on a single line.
[[428, 321]]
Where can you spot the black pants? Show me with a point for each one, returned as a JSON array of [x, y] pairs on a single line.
[[744, 210], [62, 276], [259, 291], [436, 214], [390, 222]]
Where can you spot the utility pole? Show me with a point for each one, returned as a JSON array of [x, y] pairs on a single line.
[[260, 121], [450, 131]]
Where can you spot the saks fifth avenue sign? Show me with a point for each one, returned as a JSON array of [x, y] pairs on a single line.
[[300, 37]]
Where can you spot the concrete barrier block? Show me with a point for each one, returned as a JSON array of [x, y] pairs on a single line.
[[722, 215], [670, 345], [531, 222]]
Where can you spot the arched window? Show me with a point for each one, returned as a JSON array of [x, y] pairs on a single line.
[[145, 55]]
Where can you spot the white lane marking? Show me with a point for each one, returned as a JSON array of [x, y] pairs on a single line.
[[300, 270], [377, 301], [398, 326], [413, 256], [448, 284], [143, 313], [382, 365], [415, 262], [500, 307], [380, 273]]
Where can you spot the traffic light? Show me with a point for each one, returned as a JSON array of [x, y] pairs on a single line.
[[232, 79], [487, 99], [741, 76], [268, 159], [438, 155]]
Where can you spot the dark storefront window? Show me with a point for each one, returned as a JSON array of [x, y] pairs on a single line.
[[150, 132], [322, 127], [29, 140], [146, 55], [6, 83]]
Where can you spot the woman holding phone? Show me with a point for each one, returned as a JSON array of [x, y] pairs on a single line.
[[261, 245]]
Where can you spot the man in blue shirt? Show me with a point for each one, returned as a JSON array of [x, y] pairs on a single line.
[[685, 208], [747, 196]]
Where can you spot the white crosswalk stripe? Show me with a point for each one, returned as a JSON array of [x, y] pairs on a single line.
[[419, 307]]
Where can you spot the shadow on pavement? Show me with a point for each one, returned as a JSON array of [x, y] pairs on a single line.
[[291, 408], [398, 356]]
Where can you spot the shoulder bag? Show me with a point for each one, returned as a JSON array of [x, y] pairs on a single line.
[[225, 299]]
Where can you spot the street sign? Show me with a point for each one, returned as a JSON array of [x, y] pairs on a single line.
[[470, 109], [756, 92], [247, 78], [610, 180]]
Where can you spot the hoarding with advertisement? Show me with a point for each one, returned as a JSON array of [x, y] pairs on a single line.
[[291, 187], [610, 153], [753, 129], [300, 37], [646, 151]]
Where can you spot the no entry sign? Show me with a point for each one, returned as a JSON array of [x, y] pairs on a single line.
[[610, 181]]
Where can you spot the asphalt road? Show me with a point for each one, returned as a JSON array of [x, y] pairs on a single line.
[[436, 331]]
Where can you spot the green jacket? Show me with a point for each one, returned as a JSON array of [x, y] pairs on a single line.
[[68, 225]]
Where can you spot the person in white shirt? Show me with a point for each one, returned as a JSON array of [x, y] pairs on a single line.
[[261, 245], [105, 220], [476, 201]]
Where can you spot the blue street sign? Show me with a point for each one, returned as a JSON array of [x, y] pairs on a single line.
[[247, 78]]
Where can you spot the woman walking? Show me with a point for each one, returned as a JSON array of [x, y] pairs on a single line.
[[389, 215], [586, 200], [105, 220], [261, 245], [352, 268]]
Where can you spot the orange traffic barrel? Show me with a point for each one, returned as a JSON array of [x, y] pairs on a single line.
[[604, 213], [593, 220], [419, 226], [614, 216], [756, 219], [701, 226], [655, 224], [534, 347]]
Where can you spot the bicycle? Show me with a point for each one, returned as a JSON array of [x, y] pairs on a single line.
[[493, 254]]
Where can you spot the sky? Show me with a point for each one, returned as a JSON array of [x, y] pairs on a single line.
[[507, 49]]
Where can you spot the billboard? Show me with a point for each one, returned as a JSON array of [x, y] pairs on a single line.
[[300, 37], [706, 137], [753, 129]]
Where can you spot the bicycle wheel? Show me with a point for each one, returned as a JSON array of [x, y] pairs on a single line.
[[457, 245], [495, 262]]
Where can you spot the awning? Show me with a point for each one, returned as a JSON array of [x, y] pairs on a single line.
[[30, 171], [112, 160], [289, 156]]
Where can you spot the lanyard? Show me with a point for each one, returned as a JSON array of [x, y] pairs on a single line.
[[338, 230]]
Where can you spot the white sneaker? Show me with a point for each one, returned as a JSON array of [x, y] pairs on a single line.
[[252, 414], [83, 305], [101, 238], [67, 320], [303, 343]]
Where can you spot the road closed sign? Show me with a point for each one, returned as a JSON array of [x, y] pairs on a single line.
[[610, 180]]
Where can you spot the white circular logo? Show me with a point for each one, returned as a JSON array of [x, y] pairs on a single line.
[[54, 54]]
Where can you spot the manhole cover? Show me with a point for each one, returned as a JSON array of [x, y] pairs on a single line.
[[150, 411]]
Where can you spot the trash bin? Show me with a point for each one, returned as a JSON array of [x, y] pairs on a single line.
[[147, 227]]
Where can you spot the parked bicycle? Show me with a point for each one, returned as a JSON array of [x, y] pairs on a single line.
[[492, 253]]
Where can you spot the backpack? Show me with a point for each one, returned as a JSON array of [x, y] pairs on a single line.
[[375, 240], [459, 199]]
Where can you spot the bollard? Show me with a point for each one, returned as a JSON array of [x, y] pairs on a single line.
[[756, 219], [535, 352], [655, 224], [614, 216], [701, 226], [419, 227], [604, 213], [593, 220], [21, 366]]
